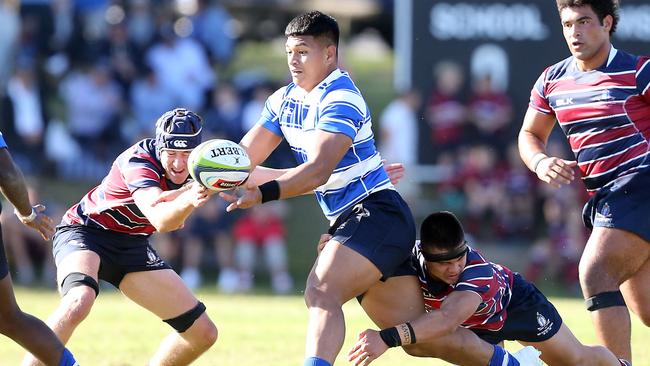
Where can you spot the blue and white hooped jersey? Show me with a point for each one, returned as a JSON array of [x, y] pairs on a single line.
[[337, 106], [2, 141]]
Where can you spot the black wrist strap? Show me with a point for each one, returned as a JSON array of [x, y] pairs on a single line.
[[270, 191], [390, 336], [412, 332]]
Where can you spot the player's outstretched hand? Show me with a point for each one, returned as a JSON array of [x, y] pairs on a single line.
[[166, 196], [42, 223], [395, 171], [198, 194], [324, 239], [245, 196], [369, 347], [556, 171]]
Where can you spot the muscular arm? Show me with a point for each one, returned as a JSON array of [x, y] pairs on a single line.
[[533, 137], [168, 212], [12, 184], [456, 308]]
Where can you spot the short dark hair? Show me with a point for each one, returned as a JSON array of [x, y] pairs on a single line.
[[602, 8], [316, 24], [441, 230]]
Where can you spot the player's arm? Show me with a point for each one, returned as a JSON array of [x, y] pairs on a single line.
[[533, 137], [168, 212], [12, 185], [456, 308]]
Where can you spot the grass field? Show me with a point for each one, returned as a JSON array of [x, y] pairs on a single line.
[[254, 330]]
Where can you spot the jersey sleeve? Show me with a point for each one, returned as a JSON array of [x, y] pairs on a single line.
[[538, 100], [342, 111], [140, 172], [270, 118], [2, 141], [643, 78], [477, 278]]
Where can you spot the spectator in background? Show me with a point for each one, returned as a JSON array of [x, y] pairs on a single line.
[[445, 112], [23, 109], [182, 67], [254, 107], [9, 36], [93, 102], [141, 24], [398, 143], [224, 116], [263, 228], [214, 29], [149, 99], [490, 114]]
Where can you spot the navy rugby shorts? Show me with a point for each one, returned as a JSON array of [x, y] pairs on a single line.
[[119, 253], [382, 229], [624, 204], [530, 317]]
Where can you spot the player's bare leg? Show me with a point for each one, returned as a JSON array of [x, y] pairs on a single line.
[[636, 294], [610, 258], [563, 349], [163, 293], [399, 300], [75, 306], [338, 275], [25, 329]]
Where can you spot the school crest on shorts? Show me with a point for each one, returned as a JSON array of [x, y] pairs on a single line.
[[544, 324]]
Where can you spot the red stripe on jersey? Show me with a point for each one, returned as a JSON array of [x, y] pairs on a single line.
[[610, 163], [579, 141], [588, 111], [596, 81], [638, 111]]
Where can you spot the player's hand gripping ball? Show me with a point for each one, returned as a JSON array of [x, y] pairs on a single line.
[[219, 165]]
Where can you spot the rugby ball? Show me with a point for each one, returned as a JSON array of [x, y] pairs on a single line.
[[219, 165]]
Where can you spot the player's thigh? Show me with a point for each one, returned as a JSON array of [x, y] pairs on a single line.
[[613, 254], [341, 272], [397, 300], [161, 291], [636, 294], [82, 261]]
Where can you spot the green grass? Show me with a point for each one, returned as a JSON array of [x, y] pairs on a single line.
[[254, 330]]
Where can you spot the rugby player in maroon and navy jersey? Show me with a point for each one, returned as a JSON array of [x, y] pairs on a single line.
[[600, 96], [105, 236], [462, 289]]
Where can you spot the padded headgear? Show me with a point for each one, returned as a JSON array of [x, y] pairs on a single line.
[[178, 129]]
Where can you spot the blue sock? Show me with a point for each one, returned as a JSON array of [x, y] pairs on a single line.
[[315, 361], [501, 355], [67, 359]]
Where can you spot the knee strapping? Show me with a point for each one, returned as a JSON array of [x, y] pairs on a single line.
[[184, 321], [74, 279], [605, 300]]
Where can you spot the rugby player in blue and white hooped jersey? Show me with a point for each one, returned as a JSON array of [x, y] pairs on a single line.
[[327, 124], [462, 289], [601, 98], [105, 236]]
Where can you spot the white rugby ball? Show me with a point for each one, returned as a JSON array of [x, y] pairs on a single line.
[[219, 164]]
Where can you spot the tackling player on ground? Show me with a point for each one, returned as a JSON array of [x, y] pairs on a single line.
[[105, 236], [601, 98], [462, 289]]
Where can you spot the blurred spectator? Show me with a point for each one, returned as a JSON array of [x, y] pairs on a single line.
[[149, 100], [37, 27], [262, 228], [223, 118], [182, 67], [125, 58], [213, 27], [445, 112], [490, 112], [93, 102], [9, 35], [141, 24], [30, 254], [24, 111], [254, 107], [398, 140]]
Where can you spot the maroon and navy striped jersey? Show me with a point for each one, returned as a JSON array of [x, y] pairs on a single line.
[[605, 114], [491, 281], [110, 205]]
